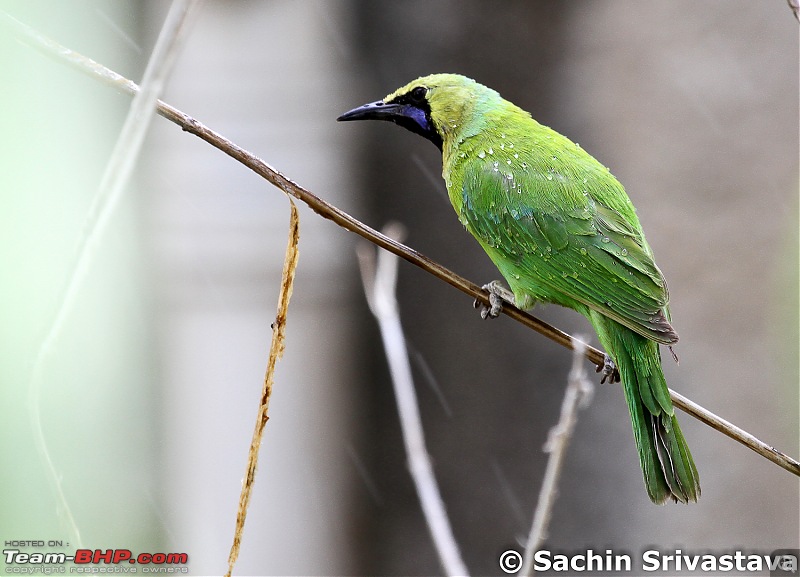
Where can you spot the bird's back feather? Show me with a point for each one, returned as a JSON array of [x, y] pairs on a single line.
[[586, 253]]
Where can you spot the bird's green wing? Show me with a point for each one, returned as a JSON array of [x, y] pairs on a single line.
[[586, 253]]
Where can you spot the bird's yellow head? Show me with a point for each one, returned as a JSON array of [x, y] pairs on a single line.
[[437, 107]]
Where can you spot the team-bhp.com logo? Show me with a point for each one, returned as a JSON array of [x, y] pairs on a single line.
[[151, 562]]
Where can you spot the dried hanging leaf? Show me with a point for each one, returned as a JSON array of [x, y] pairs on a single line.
[[275, 353]]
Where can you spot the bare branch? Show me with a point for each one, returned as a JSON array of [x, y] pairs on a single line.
[[734, 432], [379, 284], [576, 396], [330, 212]]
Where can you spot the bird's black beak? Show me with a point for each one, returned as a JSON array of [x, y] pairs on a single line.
[[408, 116], [377, 110]]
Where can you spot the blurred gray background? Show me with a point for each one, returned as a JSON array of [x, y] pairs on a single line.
[[150, 395]]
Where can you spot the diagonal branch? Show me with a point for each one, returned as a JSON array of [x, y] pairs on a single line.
[[380, 283], [326, 210], [577, 396]]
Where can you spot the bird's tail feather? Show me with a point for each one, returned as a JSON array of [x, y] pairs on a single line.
[[667, 465]]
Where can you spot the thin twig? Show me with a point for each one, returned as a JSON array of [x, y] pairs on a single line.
[[328, 211], [379, 286], [576, 397], [275, 353], [115, 178]]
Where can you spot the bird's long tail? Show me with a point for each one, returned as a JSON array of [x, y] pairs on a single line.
[[667, 464]]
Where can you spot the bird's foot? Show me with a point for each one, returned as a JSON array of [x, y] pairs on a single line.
[[608, 370], [498, 294]]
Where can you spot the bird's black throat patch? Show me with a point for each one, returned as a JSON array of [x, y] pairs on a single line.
[[415, 115]]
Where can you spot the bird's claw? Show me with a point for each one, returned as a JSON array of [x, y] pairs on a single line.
[[498, 295], [493, 309], [608, 370]]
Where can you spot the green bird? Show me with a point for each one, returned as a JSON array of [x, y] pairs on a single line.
[[561, 229]]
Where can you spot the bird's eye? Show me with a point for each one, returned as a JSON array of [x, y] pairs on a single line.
[[418, 94]]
